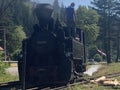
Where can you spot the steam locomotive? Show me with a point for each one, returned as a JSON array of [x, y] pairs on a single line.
[[50, 56]]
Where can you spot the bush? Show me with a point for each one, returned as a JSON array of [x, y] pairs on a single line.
[[2, 67], [97, 57], [92, 51], [14, 56], [1, 55]]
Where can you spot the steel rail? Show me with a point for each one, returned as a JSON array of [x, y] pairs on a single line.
[[79, 81]]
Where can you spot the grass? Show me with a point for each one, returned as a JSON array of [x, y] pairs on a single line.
[[7, 78], [108, 69], [90, 86], [105, 69], [4, 77]]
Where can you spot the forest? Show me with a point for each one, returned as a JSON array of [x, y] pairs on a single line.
[[100, 22]]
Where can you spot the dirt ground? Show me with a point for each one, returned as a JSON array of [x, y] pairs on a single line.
[[12, 70]]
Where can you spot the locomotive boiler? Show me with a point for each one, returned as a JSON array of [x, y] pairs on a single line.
[[50, 56]]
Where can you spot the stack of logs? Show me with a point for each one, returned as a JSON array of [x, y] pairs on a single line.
[[106, 81]]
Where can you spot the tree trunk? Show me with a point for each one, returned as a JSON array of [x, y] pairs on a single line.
[[108, 45], [118, 46], [108, 51]]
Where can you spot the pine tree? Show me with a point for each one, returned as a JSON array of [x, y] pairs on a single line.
[[106, 10], [56, 7]]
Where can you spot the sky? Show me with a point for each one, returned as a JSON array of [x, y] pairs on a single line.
[[68, 2], [77, 2]]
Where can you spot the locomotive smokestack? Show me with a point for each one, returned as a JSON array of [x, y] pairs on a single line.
[[43, 12]]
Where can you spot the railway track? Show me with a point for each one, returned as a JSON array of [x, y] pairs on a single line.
[[7, 84], [112, 75], [16, 84]]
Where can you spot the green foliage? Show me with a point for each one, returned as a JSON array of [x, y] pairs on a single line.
[[97, 57], [1, 55], [2, 68], [62, 15], [14, 38], [8, 78], [4, 77], [91, 33], [76, 87], [15, 55], [16, 19], [4, 6], [23, 15], [19, 12], [92, 51], [86, 16], [3, 65], [87, 20], [56, 7], [108, 11]]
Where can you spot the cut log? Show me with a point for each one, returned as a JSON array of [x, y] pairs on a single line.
[[100, 79], [111, 83], [106, 81]]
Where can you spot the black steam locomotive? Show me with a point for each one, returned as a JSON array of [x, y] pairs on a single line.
[[50, 56]]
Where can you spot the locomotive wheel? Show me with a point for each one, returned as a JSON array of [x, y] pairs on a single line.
[[65, 70]]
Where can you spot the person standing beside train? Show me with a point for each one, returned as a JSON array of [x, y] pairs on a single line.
[[71, 20]]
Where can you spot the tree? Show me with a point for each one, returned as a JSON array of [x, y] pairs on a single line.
[[62, 14], [117, 9], [16, 18], [4, 5], [22, 15], [56, 7], [1, 56], [106, 10], [15, 35], [92, 51], [14, 38], [87, 20]]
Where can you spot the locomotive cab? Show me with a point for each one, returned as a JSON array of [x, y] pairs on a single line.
[[77, 49]]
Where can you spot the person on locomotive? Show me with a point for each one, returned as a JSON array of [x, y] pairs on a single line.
[[71, 19]]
